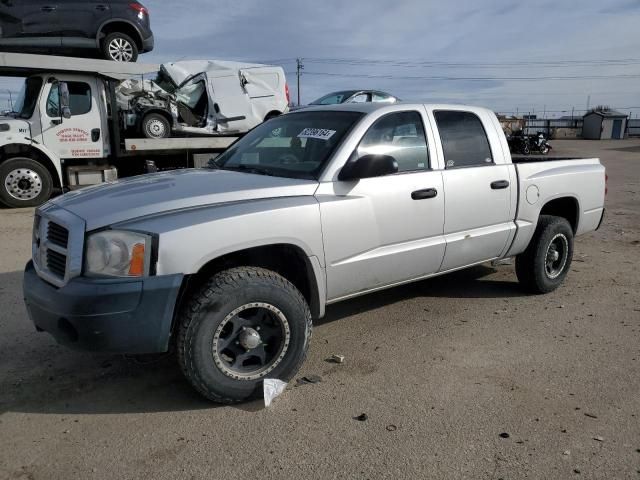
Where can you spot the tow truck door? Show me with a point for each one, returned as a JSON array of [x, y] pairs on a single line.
[[82, 135]]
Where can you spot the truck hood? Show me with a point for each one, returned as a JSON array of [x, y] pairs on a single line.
[[123, 200], [12, 126]]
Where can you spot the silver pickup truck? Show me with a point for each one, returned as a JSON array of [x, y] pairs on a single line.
[[230, 264]]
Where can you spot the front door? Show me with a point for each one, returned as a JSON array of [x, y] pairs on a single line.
[[81, 135], [617, 129], [11, 12], [40, 19], [384, 230], [479, 220]]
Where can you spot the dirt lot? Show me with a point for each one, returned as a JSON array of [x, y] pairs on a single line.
[[442, 368]]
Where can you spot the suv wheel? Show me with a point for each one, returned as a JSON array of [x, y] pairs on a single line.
[[244, 325], [119, 48]]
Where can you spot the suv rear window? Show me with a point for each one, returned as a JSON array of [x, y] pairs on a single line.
[[464, 141]]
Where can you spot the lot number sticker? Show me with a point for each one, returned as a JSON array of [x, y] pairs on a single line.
[[319, 133]]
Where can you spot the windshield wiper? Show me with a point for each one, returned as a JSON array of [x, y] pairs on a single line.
[[250, 169]]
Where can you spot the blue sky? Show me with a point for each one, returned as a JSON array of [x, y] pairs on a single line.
[[386, 45]]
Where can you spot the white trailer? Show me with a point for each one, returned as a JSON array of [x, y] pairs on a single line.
[[66, 130]]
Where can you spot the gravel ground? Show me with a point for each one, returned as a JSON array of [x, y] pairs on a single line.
[[461, 376]]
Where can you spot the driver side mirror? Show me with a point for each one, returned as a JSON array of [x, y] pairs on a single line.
[[368, 166], [63, 93]]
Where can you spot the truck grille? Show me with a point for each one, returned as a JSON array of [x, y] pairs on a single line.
[[57, 235], [56, 263], [58, 238]]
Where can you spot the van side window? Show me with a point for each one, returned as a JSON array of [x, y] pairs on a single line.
[[79, 99], [400, 135], [464, 141]]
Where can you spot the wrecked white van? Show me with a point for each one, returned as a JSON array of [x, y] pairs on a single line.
[[203, 97]]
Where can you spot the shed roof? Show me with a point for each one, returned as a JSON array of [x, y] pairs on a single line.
[[607, 114]]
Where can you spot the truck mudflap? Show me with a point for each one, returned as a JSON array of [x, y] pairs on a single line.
[[105, 315]]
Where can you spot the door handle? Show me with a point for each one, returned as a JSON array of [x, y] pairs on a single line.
[[48, 8], [424, 194], [102, 8], [498, 184]]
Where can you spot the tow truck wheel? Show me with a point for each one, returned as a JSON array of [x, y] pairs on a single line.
[[155, 125], [119, 48], [542, 267], [25, 183], [245, 324]]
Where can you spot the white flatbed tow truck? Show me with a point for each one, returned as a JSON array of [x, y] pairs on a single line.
[[66, 130]]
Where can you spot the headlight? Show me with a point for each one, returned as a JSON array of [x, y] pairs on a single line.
[[118, 253]]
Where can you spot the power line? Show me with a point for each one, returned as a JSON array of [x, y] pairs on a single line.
[[449, 77]]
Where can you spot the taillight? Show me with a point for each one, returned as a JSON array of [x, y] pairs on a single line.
[[286, 92], [138, 7], [606, 184]]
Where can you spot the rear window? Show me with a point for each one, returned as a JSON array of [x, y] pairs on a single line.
[[464, 141]]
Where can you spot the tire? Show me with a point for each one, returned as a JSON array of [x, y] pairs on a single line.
[[532, 266], [271, 115], [119, 47], [544, 149], [155, 125], [206, 325], [525, 149], [24, 183]]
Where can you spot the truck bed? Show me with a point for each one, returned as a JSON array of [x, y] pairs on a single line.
[[540, 158]]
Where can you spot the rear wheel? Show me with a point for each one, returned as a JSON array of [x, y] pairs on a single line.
[[119, 48], [542, 267], [244, 325], [155, 125], [25, 183]]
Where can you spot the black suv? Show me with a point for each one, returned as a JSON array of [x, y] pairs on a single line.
[[119, 29]]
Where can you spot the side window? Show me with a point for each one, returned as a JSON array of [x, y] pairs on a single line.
[[464, 140], [400, 135], [382, 98], [79, 99], [361, 98]]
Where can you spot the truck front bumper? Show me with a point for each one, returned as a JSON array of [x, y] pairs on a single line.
[[105, 315]]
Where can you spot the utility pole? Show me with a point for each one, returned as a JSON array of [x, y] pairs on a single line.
[[588, 102], [299, 68]]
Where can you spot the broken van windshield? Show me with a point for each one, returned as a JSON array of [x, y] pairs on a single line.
[[295, 145]]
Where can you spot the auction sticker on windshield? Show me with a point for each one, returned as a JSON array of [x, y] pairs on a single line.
[[319, 133]]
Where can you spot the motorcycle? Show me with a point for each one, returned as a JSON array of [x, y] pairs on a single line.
[[525, 144], [539, 143]]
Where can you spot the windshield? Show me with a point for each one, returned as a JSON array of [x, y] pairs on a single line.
[[28, 97], [334, 98], [296, 145]]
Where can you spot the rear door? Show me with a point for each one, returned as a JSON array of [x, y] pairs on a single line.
[[478, 205], [80, 136], [79, 21]]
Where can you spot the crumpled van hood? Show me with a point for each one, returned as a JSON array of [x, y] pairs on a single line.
[[106, 204]]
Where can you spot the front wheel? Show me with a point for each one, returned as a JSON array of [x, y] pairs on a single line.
[[544, 149], [25, 183], [155, 125], [542, 267], [244, 325]]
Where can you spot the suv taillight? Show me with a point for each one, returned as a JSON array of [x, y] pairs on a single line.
[[286, 92], [138, 7]]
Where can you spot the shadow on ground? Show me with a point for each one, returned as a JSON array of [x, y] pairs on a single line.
[[37, 375]]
